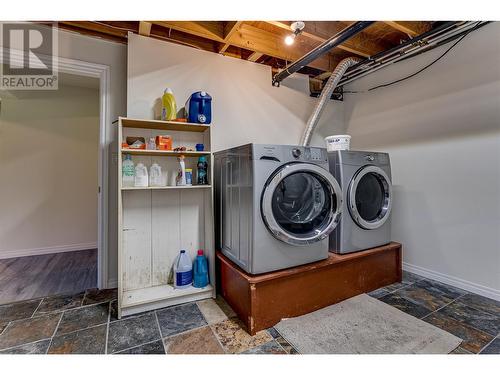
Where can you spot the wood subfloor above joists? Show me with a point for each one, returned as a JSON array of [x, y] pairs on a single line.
[[260, 41]]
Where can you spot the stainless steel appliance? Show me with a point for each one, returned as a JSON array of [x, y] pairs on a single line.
[[365, 180], [275, 205]]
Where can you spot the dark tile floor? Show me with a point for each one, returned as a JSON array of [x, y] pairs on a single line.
[[86, 323], [473, 318]]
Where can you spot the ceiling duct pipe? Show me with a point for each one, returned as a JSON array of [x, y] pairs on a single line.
[[330, 85], [320, 50]]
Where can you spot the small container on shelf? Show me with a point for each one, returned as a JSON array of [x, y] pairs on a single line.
[[189, 176], [164, 142]]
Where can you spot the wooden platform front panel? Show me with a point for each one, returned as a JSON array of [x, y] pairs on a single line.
[[261, 301]]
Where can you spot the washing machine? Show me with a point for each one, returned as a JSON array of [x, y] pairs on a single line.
[[275, 205], [365, 180]]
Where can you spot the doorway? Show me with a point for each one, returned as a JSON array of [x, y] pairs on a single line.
[[76, 72], [50, 196]]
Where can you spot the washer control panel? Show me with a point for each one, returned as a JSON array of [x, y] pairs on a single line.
[[313, 154]]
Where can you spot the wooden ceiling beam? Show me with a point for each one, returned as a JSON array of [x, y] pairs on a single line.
[[144, 28], [411, 28], [230, 28], [359, 45], [98, 27], [213, 30], [255, 56], [267, 43]]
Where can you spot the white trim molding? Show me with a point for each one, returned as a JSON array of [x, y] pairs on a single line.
[[47, 250], [453, 281]]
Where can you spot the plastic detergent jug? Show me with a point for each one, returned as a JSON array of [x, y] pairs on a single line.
[[199, 108], [169, 108], [141, 175], [200, 271], [183, 271], [128, 171], [155, 176]]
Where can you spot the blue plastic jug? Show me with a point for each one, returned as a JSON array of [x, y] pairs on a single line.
[[199, 108], [200, 271]]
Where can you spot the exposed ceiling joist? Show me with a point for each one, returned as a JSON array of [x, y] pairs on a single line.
[[213, 30], [98, 27], [411, 28], [144, 28], [255, 56], [229, 29], [261, 40], [365, 49], [267, 43]]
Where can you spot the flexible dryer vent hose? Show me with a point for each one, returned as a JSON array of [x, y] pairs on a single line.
[[330, 85]]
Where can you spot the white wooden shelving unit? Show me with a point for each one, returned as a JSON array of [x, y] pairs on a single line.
[[155, 223]]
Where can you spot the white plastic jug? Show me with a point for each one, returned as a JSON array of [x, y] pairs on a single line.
[[183, 271], [141, 175], [155, 175]]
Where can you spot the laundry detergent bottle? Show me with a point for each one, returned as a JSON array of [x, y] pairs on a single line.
[[200, 271], [183, 271], [169, 107]]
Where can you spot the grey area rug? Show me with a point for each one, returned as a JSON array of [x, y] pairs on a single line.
[[364, 325]]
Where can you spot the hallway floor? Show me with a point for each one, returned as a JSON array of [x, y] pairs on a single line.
[[86, 323], [37, 276]]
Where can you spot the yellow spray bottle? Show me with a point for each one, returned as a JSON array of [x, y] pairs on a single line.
[[169, 108]]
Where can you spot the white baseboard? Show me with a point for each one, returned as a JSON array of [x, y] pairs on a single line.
[[454, 281], [46, 250]]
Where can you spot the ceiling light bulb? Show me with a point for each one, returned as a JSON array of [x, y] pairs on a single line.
[[290, 39]]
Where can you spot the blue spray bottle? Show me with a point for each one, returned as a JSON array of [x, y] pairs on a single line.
[[200, 271]]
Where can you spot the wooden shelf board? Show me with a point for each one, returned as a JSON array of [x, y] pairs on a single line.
[[164, 152], [158, 293], [163, 125], [166, 187]]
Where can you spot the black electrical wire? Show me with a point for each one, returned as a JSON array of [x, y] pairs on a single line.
[[418, 71]]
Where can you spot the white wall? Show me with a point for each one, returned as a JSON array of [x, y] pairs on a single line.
[[442, 130], [75, 46], [246, 108], [48, 163]]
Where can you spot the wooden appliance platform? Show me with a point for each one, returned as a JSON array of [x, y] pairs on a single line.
[[261, 301]]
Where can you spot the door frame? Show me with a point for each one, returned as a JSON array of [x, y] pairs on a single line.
[[101, 72]]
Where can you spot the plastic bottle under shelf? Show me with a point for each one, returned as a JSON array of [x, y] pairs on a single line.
[[128, 171], [183, 271], [200, 271]]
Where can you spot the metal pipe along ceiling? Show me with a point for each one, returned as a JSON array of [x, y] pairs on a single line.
[[320, 50]]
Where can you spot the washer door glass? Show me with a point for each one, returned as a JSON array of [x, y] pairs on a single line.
[[370, 197], [301, 203]]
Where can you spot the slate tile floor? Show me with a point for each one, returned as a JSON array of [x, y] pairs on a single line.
[[86, 323]]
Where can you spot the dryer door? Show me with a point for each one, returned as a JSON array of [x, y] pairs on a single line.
[[301, 203], [370, 197]]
